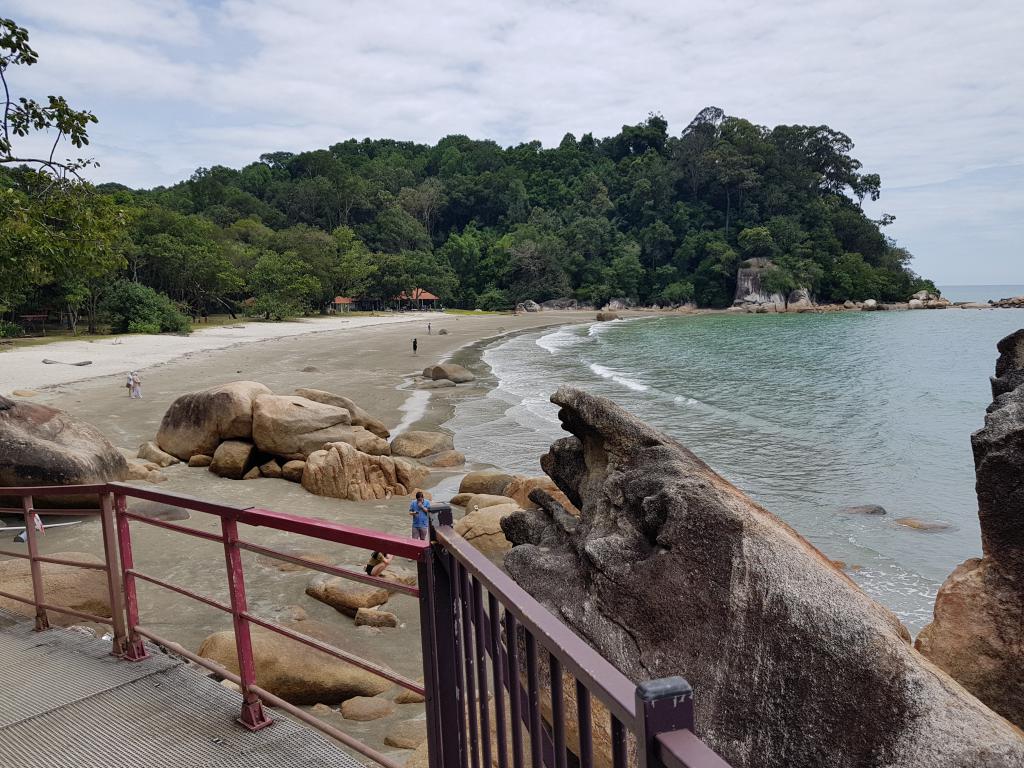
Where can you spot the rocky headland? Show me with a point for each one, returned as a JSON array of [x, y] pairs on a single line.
[[792, 663]]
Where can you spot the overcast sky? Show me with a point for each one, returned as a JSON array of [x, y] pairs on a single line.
[[932, 92]]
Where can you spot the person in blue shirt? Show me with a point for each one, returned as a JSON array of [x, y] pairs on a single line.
[[420, 522]]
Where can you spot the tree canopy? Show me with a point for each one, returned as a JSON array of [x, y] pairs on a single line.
[[647, 214]]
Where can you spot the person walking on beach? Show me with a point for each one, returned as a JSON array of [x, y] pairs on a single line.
[[428, 329], [414, 345], [136, 382], [128, 383], [420, 521]]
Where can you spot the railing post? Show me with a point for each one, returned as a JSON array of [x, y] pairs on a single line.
[[38, 593], [440, 656], [113, 573], [253, 716], [662, 705], [135, 649]]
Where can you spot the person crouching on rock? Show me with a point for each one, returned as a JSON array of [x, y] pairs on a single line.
[[377, 563], [420, 521]]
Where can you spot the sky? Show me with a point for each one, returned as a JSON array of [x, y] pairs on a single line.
[[931, 92]]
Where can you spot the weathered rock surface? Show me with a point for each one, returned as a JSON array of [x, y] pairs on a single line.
[[365, 708], [200, 460], [415, 444], [293, 470], [977, 635], [444, 459], [406, 734], [482, 527], [449, 371], [150, 451], [40, 445], [232, 459], [405, 696], [295, 672], [604, 317], [293, 427], [864, 509], [270, 469], [344, 595], [792, 664], [869, 305], [342, 472], [371, 617], [76, 588], [252, 474], [521, 487], [489, 481], [481, 500], [360, 417], [199, 421]]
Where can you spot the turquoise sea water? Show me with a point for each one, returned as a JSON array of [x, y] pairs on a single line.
[[806, 413]]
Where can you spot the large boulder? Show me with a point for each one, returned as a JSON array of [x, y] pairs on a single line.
[[232, 459], [605, 317], [293, 671], [449, 371], [342, 472], [150, 451], [415, 444], [444, 459], [77, 588], [521, 488], [977, 635], [360, 417], [40, 445], [671, 570], [198, 422], [293, 427], [490, 481], [482, 527], [344, 595]]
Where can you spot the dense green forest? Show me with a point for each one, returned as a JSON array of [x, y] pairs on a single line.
[[648, 215]]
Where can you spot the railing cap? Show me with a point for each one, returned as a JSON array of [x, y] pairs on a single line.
[[663, 688]]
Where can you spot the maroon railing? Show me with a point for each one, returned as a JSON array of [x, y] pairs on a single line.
[[499, 669]]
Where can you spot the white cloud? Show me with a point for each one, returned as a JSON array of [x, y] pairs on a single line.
[[930, 91]]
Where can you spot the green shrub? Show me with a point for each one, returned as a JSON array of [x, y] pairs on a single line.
[[135, 308], [9, 330], [493, 300]]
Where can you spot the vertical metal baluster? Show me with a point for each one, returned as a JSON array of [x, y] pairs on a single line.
[[585, 723], [557, 710], [514, 689], [467, 658], [618, 743], [252, 717], [135, 649], [113, 573], [481, 670], [533, 688], [499, 683], [460, 675], [38, 592]]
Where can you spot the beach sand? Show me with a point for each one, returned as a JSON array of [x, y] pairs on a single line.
[[366, 359]]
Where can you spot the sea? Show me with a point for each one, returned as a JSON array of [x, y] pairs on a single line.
[[808, 414]]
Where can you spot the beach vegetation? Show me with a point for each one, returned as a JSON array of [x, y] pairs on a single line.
[[650, 215]]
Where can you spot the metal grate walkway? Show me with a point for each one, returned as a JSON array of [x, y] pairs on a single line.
[[66, 702]]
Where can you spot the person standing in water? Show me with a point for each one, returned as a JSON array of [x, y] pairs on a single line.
[[136, 391], [414, 345]]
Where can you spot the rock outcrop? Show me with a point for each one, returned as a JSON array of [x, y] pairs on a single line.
[[77, 588], [342, 472], [150, 451], [344, 595], [606, 317], [977, 635], [449, 371], [232, 459], [360, 418], [670, 570], [198, 422], [416, 444], [482, 527], [293, 671], [40, 445], [293, 427]]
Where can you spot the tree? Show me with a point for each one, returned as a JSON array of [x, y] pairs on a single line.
[[281, 287]]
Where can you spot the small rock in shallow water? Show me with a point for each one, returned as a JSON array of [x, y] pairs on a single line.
[[865, 509], [922, 525]]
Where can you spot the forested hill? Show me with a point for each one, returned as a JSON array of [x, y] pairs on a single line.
[[654, 217]]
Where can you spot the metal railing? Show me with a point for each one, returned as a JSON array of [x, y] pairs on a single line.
[[506, 684]]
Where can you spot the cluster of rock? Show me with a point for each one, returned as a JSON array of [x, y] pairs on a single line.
[[751, 296], [977, 635], [491, 496], [528, 306], [444, 375], [40, 445], [1015, 302], [671, 570], [243, 431]]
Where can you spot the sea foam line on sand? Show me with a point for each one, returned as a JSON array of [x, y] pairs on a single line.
[[23, 367]]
